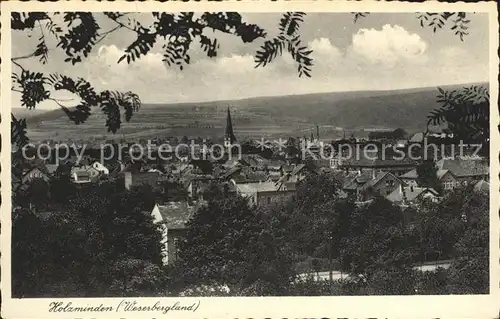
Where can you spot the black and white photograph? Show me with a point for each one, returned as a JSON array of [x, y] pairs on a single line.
[[160, 156]]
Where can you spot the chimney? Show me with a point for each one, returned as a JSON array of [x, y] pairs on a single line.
[[317, 132]]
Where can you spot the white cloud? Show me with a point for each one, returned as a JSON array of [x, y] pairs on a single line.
[[323, 47], [388, 46], [388, 58]]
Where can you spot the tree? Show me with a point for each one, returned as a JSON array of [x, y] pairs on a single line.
[[399, 133], [313, 213], [92, 245], [36, 194], [376, 240], [227, 243], [469, 272], [427, 175], [466, 112]]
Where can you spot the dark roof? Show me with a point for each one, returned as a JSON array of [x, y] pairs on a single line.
[[358, 180], [247, 175], [256, 160], [411, 174], [365, 162], [175, 215], [464, 167], [366, 180], [230, 172]]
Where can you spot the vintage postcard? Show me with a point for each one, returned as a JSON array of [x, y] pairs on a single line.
[[301, 159]]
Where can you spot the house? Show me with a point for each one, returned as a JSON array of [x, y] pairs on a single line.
[[34, 173], [266, 193], [401, 143], [365, 160], [293, 173], [84, 174], [465, 170], [197, 185], [173, 217], [411, 178], [370, 182], [141, 178], [100, 168], [406, 195], [482, 187], [452, 173], [248, 175]]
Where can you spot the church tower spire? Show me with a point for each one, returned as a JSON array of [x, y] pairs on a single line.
[[229, 134]]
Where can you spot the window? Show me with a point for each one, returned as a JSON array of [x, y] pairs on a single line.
[[448, 185], [269, 200], [334, 162], [176, 248], [389, 183]]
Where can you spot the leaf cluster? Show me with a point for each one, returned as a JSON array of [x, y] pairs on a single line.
[[288, 39], [465, 111]]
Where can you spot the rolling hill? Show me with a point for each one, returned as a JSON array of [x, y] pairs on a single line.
[[253, 117]]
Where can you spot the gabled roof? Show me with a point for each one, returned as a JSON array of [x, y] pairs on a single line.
[[249, 176], [230, 172], [256, 160], [482, 186], [374, 181], [441, 172], [410, 175], [51, 168], [44, 171], [175, 215], [365, 180], [464, 167], [253, 188], [298, 168], [371, 162], [358, 180], [417, 138], [409, 193]]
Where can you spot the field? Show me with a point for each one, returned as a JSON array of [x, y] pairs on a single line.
[[282, 116]]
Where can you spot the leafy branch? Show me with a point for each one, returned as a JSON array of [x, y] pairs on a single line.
[[288, 38], [465, 111], [358, 15], [456, 21]]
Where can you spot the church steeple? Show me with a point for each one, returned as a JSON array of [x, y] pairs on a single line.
[[229, 134]]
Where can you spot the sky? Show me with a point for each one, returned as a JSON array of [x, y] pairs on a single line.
[[383, 51]]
